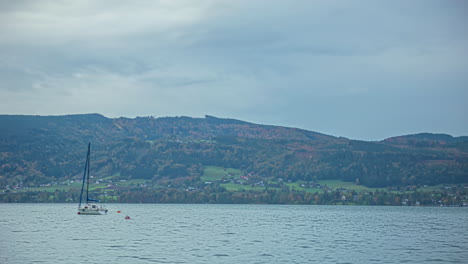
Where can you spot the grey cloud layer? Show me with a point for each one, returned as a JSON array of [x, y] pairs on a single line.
[[361, 69]]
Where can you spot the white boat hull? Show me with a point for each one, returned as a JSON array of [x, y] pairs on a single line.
[[92, 209]]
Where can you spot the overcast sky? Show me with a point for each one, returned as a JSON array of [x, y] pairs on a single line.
[[358, 69]]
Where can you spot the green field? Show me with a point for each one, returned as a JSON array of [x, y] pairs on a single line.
[[73, 186], [297, 187], [335, 184], [213, 173], [238, 187], [77, 186], [132, 182]]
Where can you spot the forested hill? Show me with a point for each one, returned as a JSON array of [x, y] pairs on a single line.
[[40, 149], [97, 128]]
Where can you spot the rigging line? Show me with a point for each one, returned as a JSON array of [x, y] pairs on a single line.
[[84, 176], [89, 164]]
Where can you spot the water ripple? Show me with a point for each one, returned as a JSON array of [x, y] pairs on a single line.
[[234, 234]]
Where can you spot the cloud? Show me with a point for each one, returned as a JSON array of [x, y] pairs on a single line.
[[321, 65], [57, 23]]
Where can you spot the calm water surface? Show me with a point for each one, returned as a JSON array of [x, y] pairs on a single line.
[[161, 233]]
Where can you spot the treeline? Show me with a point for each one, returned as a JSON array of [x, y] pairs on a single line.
[[270, 196]]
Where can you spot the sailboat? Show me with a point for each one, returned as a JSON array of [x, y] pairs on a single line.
[[85, 207]]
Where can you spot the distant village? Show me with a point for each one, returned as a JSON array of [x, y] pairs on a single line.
[[451, 195]]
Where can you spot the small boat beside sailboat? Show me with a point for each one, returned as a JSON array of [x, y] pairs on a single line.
[[86, 206]]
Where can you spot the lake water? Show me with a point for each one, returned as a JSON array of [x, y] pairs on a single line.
[[163, 233]]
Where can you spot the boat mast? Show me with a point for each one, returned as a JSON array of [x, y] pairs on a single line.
[[89, 161], [86, 170]]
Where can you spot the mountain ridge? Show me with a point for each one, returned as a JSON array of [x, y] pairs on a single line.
[[39, 149], [86, 117]]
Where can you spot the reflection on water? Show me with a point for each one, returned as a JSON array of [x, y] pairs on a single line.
[[159, 233]]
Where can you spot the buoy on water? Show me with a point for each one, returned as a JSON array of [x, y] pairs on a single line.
[[118, 212], [127, 217]]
